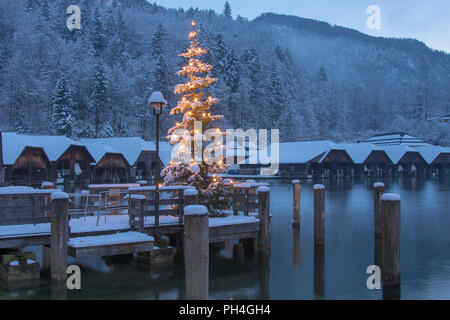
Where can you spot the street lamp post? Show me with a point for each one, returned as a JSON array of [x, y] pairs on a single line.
[[157, 102]]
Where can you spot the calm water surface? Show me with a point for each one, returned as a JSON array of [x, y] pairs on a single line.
[[349, 250]]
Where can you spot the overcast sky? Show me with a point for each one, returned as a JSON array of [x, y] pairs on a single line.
[[425, 20]]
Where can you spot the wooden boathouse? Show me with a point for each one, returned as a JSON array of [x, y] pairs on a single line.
[[407, 161], [109, 165], [32, 159], [140, 154], [368, 159], [70, 159], [24, 162]]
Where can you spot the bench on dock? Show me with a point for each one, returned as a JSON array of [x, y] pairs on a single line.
[[110, 245]]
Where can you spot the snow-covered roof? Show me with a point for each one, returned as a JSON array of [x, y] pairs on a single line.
[[302, 152], [165, 152], [334, 147], [13, 145], [396, 138], [359, 152], [396, 152], [430, 153], [98, 150], [131, 147], [54, 146]]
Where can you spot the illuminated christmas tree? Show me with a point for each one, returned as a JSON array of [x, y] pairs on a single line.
[[197, 163]]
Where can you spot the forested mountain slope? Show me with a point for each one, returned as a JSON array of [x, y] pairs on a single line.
[[308, 78]]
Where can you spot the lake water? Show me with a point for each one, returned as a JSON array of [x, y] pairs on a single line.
[[290, 274]]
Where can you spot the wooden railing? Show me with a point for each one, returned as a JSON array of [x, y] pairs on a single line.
[[25, 208], [34, 207], [142, 204], [245, 198]]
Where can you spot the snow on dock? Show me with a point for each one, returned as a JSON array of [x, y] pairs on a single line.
[[109, 239], [112, 223]]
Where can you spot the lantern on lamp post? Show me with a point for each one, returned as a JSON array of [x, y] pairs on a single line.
[[157, 102]]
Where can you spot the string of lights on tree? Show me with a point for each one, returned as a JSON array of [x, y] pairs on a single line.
[[195, 105]]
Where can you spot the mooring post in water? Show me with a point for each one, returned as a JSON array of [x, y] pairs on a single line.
[[196, 252], [319, 214], [59, 235], [296, 188], [264, 221], [319, 271], [239, 253], [378, 190], [390, 217], [296, 248]]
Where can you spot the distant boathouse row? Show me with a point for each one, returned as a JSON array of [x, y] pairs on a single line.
[[392, 154], [27, 159]]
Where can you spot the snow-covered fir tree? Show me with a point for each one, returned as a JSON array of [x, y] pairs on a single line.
[[162, 75], [62, 118], [196, 169], [99, 97], [227, 10], [98, 36], [107, 131], [22, 125], [159, 41]]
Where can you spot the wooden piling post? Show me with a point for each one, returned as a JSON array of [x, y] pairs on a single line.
[[319, 271], [319, 214], [296, 189], [196, 252], [378, 190], [239, 253], [47, 185], [46, 258], [390, 217], [236, 203], [296, 248], [190, 197], [264, 221], [59, 235]]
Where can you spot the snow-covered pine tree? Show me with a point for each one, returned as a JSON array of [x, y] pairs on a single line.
[[45, 11], [98, 37], [257, 94], [195, 107], [219, 53], [62, 118], [232, 78], [21, 124], [107, 131], [162, 74], [158, 41], [99, 97], [227, 10]]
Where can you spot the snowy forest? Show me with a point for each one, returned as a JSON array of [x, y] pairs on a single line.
[[310, 79]]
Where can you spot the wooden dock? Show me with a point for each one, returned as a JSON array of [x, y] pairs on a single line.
[[51, 218]]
